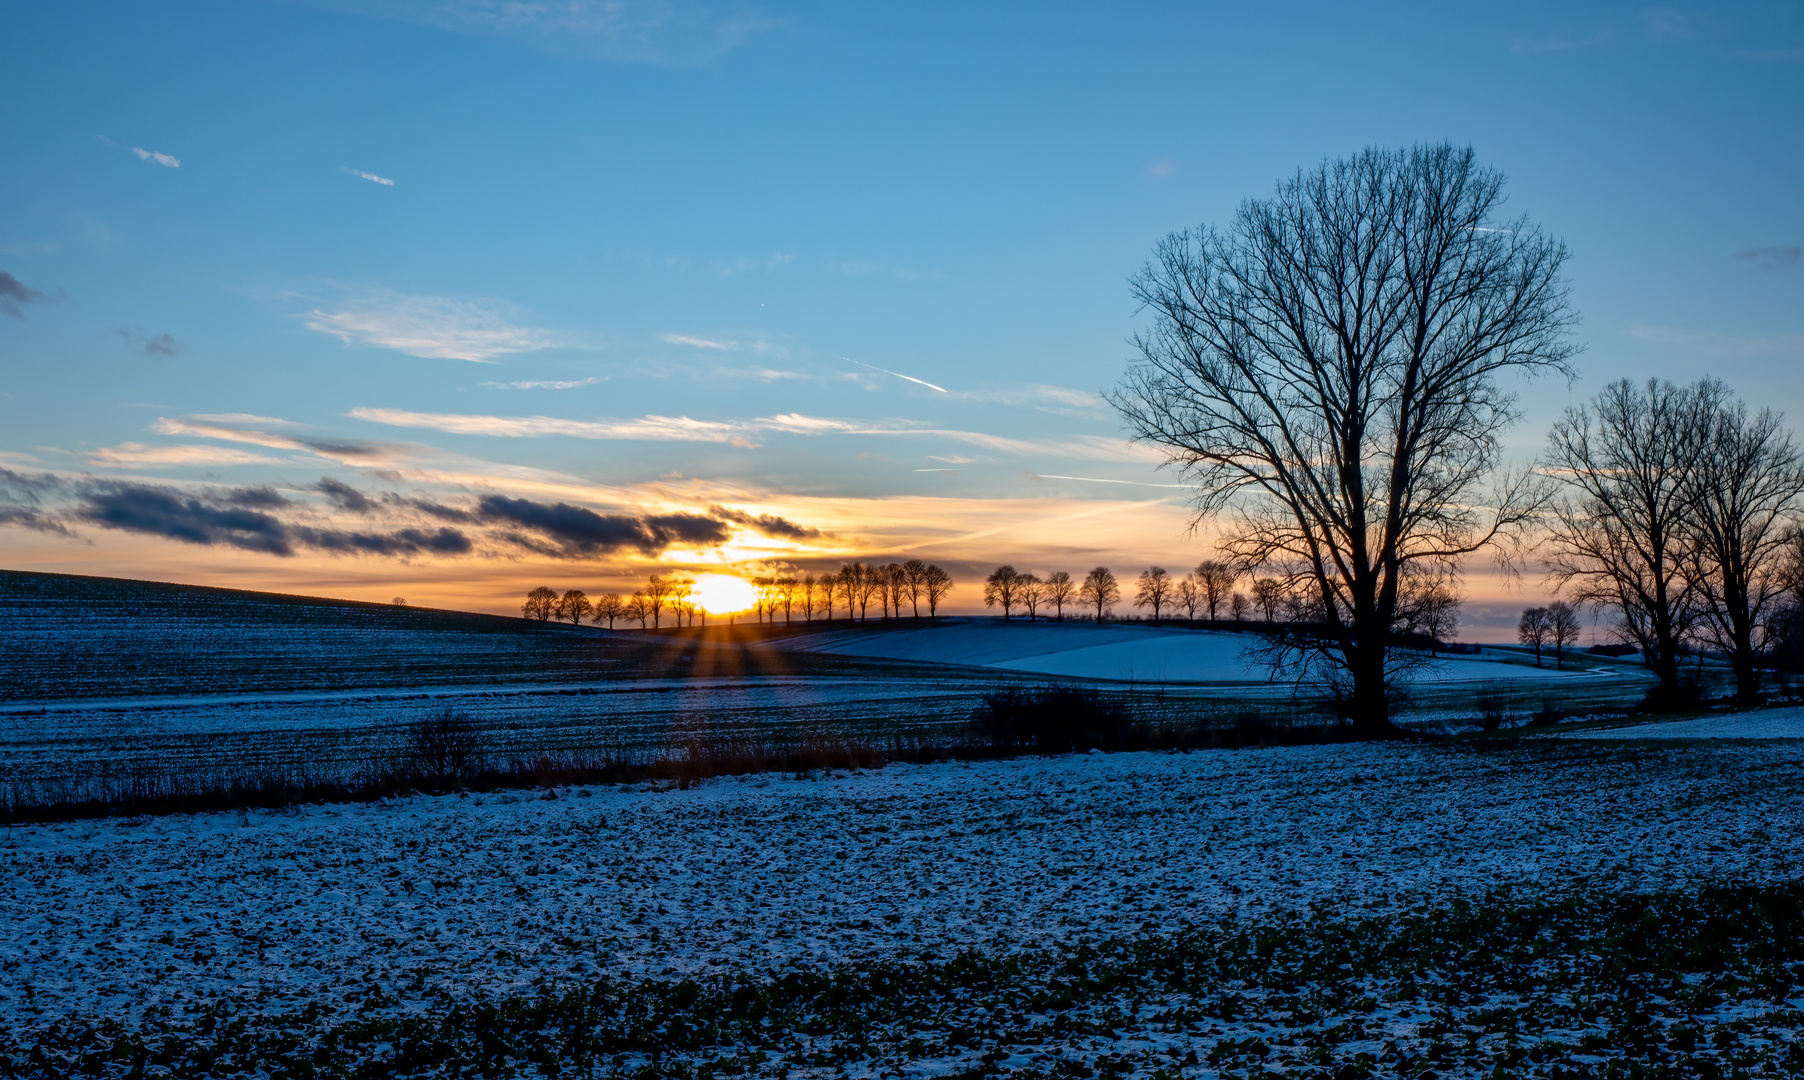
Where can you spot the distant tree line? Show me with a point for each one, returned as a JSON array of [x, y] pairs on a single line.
[[859, 590], [1209, 591]]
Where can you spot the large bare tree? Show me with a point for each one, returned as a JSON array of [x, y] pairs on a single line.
[[1325, 370], [1621, 538], [1745, 499]]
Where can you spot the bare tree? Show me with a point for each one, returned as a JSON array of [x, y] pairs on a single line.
[[829, 593], [541, 604], [608, 606], [914, 582], [806, 595], [1216, 578], [786, 586], [1188, 595], [1562, 630], [1327, 367], [937, 583], [1153, 589], [1745, 497], [657, 594], [1533, 630], [851, 587], [1032, 593], [1060, 590], [1100, 591], [1268, 594], [1002, 588], [638, 607], [870, 586], [681, 590], [1239, 606], [1429, 604], [1621, 537], [574, 605]]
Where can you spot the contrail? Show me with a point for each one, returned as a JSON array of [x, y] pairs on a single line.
[[1099, 480], [897, 374]]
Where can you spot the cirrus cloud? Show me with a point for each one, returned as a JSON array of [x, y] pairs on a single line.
[[430, 327]]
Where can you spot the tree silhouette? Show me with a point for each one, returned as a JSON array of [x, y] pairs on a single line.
[[1562, 630], [829, 586], [936, 583], [1621, 536], [1188, 595], [1744, 502], [540, 603], [638, 607], [1031, 592], [1099, 591], [1002, 588], [1060, 590], [1327, 368], [608, 606], [1216, 579], [574, 605], [1533, 630], [805, 595], [1268, 593], [1153, 589], [657, 593], [914, 582]]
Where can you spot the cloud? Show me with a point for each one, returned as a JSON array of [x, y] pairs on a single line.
[[768, 524], [402, 542], [646, 31], [1771, 258], [162, 512], [650, 428], [344, 496], [255, 430], [741, 432], [574, 531], [154, 344], [134, 454], [545, 384], [431, 327], [1711, 343], [245, 518], [1561, 42], [15, 294], [164, 160], [21, 498], [697, 343], [743, 265], [370, 176]]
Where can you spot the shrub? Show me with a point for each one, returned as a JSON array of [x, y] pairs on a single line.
[[1054, 719], [442, 750]]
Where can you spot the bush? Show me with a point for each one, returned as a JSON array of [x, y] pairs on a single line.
[[1054, 720], [442, 750]]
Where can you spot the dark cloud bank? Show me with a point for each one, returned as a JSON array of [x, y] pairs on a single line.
[[261, 519]]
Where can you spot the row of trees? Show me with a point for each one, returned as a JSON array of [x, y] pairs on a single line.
[[857, 589]]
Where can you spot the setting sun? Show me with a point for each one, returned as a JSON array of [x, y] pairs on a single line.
[[720, 594]]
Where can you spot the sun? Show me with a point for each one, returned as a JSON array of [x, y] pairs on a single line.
[[721, 594]]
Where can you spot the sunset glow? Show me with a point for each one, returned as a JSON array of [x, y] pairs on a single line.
[[722, 594]]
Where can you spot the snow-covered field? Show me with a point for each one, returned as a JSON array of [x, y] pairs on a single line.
[[1125, 651], [489, 893], [1766, 724]]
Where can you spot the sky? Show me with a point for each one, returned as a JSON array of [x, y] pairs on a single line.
[[446, 299]]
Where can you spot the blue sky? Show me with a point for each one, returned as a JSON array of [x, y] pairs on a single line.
[[661, 259]]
